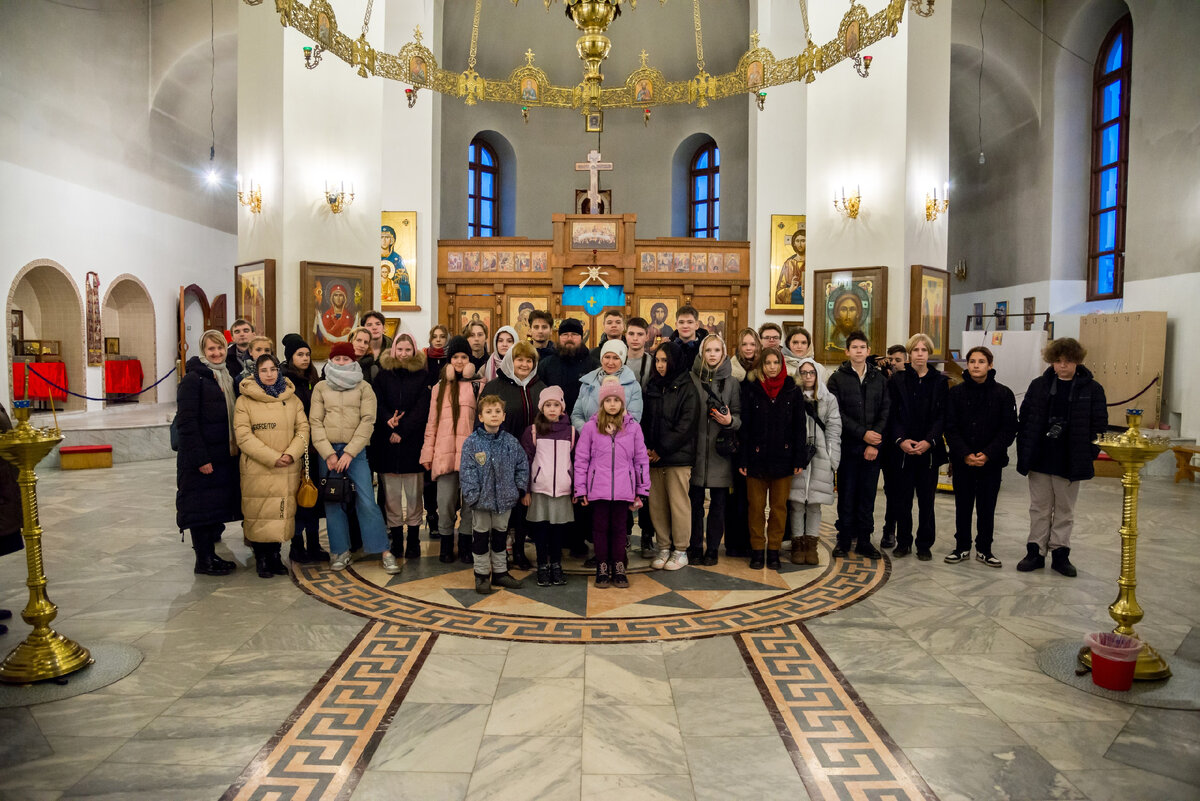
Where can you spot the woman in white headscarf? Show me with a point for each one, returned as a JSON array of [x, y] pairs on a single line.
[[814, 486]]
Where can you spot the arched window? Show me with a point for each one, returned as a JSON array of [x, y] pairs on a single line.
[[704, 197], [1110, 164], [483, 190]]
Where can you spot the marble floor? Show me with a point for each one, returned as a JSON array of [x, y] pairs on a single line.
[[899, 679]]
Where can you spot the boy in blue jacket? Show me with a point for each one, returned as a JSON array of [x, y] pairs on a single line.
[[493, 475]]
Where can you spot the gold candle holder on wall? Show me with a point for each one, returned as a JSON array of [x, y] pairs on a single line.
[[1132, 449], [44, 654]]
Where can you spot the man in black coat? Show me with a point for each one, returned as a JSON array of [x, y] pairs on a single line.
[[862, 397], [981, 422], [915, 426], [1063, 412], [688, 333]]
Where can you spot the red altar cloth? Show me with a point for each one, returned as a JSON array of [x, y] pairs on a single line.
[[38, 388], [122, 377]]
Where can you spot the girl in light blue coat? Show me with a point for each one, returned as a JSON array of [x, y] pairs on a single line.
[[814, 486], [612, 364]]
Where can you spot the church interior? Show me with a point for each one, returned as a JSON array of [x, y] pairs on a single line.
[[996, 173]]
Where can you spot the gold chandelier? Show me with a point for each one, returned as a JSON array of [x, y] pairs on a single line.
[[528, 86]]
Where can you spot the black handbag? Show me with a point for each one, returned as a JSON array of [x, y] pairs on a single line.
[[337, 488]]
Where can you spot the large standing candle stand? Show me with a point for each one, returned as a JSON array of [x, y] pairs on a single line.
[[1132, 449], [44, 654]]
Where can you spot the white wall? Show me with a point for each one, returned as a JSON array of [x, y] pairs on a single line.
[[85, 230]]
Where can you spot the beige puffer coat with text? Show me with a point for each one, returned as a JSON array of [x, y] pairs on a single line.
[[266, 428]]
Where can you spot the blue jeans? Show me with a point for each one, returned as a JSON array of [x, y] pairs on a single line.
[[370, 519]]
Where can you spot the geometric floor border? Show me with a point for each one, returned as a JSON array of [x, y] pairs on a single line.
[[847, 580], [839, 748], [322, 749]]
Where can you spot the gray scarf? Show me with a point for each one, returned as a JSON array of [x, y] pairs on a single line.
[[220, 371], [343, 376]]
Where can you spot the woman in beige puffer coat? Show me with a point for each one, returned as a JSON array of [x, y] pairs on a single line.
[[272, 434]]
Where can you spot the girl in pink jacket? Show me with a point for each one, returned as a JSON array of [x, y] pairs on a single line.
[[612, 475], [451, 421], [549, 443]]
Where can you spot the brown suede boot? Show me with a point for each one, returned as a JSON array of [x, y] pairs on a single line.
[[798, 552], [810, 551]]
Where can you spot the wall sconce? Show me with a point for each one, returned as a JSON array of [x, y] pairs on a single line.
[[312, 57], [934, 207], [251, 198], [862, 64], [525, 114], [646, 117], [761, 99], [923, 8], [410, 95], [848, 206], [340, 199], [960, 270]]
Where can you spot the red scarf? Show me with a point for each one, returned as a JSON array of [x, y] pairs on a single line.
[[772, 386], [435, 353]]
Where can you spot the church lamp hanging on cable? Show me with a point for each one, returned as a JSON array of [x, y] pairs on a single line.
[[528, 86]]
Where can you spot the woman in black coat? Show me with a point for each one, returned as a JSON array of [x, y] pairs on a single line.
[[915, 427], [209, 492], [1064, 410], [774, 437], [981, 422], [298, 368], [395, 451], [670, 423]]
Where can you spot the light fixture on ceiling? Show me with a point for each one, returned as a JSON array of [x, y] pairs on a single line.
[[849, 206]]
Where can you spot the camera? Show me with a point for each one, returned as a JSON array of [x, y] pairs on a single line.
[[1056, 428], [719, 408]]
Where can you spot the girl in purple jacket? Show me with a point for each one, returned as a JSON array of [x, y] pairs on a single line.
[[612, 475], [549, 443]]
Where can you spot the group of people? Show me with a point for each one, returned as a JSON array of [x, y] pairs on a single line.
[[495, 440]]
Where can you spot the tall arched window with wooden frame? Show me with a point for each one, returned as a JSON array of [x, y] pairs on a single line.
[[704, 195], [1110, 164], [483, 190]]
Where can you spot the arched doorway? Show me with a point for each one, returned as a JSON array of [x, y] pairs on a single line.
[[194, 313], [52, 312], [128, 316]]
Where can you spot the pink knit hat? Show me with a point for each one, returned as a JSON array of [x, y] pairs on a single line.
[[611, 388], [550, 394]]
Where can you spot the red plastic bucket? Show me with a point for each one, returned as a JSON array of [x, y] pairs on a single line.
[[1114, 658]]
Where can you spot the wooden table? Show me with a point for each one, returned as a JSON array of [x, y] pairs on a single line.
[[1183, 462]]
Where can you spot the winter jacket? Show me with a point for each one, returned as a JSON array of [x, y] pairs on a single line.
[[711, 469], [400, 387], [443, 443], [342, 417], [815, 484], [494, 471], [1086, 419], [774, 433], [520, 397], [864, 405], [550, 458], [691, 350], [202, 420], [612, 467], [588, 403], [557, 371], [981, 418], [673, 412], [370, 367], [736, 369], [266, 428], [918, 412]]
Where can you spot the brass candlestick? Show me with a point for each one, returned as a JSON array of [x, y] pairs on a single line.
[[44, 654], [1132, 449]]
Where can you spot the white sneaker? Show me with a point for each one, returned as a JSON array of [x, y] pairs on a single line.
[[678, 559], [660, 561], [389, 563], [341, 561]]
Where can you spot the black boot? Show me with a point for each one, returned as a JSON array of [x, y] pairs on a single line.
[[773, 560], [464, 549], [556, 574], [275, 563], [413, 549], [519, 559], [207, 563], [1033, 559], [603, 579], [297, 553], [1061, 563], [314, 549], [483, 584], [396, 539], [262, 565], [756, 559], [447, 554], [507, 581], [544, 576]]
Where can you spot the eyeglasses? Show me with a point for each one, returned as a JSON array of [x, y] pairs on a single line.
[[808, 372]]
